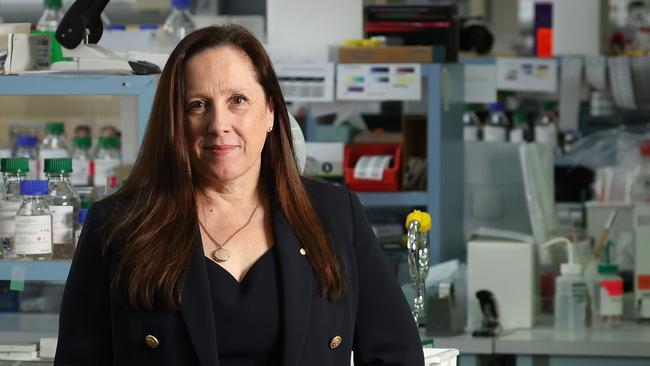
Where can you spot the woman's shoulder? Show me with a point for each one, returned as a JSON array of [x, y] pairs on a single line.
[[321, 191]]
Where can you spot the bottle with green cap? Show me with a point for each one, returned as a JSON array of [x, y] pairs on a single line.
[[64, 206], [33, 222], [546, 124], [471, 124], [53, 145], [519, 127], [14, 170], [107, 158], [51, 17], [608, 293], [81, 161]]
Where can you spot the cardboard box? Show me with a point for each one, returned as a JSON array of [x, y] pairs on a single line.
[[386, 54]]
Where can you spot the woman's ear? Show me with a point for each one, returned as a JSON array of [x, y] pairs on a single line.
[[270, 115]]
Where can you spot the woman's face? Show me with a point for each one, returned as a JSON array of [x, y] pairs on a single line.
[[227, 115]]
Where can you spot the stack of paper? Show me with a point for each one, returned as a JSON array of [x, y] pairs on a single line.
[[18, 351]]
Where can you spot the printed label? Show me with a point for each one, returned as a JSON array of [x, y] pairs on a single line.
[[579, 292], [516, 136], [62, 224], [494, 134], [546, 134], [8, 210], [33, 235], [470, 133], [103, 170], [611, 297], [80, 172]]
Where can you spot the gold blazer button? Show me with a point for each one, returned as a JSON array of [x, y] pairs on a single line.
[[303, 251], [151, 341], [335, 342]]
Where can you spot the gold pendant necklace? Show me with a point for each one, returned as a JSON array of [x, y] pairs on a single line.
[[222, 254]]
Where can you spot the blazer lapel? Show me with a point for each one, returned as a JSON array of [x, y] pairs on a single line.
[[297, 278], [197, 308]]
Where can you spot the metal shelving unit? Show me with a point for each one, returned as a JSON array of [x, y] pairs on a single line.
[[35, 270], [443, 198]]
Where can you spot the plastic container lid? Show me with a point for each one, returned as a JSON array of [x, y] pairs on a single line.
[[148, 26], [33, 188], [53, 4], [469, 107], [86, 203], [82, 142], [519, 117], [496, 107], [54, 128], [546, 105], [81, 216], [605, 268], [58, 165], [107, 142], [570, 269], [14, 165], [26, 141], [181, 4]]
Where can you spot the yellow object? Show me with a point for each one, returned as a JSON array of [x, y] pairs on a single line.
[[422, 217], [365, 42]]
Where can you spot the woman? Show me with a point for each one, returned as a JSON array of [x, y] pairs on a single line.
[[215, 251]]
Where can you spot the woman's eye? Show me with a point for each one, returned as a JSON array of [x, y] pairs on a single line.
[[195, 105]]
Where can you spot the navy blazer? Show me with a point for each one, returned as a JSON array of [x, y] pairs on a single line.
[[372, 318]]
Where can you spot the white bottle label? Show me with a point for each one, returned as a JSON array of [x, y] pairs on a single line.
[[611, 297], [49, 154], [546, 134], [579, 293], [8, 210], [470, 133], [494, 134], [62, 224], [516, 135], [104, 169], [80, 172], [33, 235]]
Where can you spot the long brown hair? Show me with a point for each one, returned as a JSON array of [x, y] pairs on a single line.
[[157, 220]]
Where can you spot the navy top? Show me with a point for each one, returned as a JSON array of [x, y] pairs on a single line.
[[247, 314]]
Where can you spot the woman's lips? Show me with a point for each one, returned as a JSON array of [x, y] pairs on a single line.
[[220, 150]]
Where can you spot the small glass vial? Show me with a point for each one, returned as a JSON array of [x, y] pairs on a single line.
[[106, 160], [26, 147], [83, 212], [64, 206], [471, 124], [81, 161], [14, 170], [33, 222]]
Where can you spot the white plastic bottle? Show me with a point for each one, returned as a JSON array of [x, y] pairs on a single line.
[[106, 159], [51, 17], [546, 125], [26, 148], [64, 206], [519, 127], [81, 161], [53, 145], [14, 170], [471, 124], [33, 222], [608, 294], [496, 126]]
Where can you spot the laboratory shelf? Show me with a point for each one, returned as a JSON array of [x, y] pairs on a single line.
[[393, 198], [141, 86], [55, 270]]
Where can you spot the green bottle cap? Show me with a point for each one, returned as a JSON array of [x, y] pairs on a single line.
[[58, 165], [107, 142], [87, 203], [54, 128], [469, 107], [546, 105], [82, 142], [519, 117], [607, 269], [53, 4], [14, 165]]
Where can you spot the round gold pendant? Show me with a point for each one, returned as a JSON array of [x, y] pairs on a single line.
[[221, 255]]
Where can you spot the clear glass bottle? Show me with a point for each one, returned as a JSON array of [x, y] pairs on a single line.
[[81, 161], [64, 206], [179, 22], [519, 128], [51, 17], [33, 222], [14, 170], [106, 159], [471, 124], [53, 145], [496, 127], [81, 219], [546, 125], [26, 147]]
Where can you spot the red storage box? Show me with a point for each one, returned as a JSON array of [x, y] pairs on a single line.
[[391, 179]]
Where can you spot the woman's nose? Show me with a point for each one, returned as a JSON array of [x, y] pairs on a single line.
[[219, 121]]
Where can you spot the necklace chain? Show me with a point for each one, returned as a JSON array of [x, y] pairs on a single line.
[[221, 245]]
